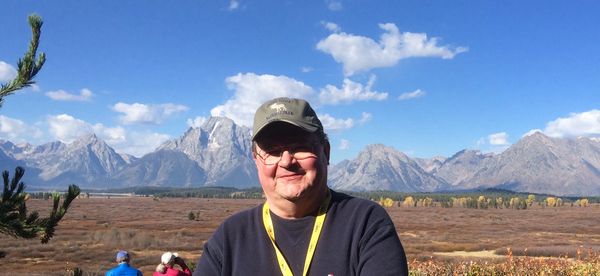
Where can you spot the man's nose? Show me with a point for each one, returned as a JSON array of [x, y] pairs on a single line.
[[287, 159]]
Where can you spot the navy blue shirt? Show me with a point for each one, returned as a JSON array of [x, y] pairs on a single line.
[[358, 238], [293, 237]]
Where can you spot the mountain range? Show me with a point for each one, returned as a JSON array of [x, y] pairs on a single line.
[[218, 153]]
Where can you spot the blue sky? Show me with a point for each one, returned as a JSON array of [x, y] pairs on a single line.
[[428, 78]]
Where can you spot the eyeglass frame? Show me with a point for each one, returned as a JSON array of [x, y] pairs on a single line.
[[289, 148]]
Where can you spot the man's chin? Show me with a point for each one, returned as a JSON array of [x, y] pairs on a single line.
[[294, 196]]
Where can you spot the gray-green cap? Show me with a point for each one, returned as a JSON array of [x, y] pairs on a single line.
[[294, 111]]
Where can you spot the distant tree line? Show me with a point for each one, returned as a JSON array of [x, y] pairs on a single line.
[[477, 199], [198, 192], [482, 201]]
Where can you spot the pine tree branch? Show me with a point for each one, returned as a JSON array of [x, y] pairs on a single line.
[[14, 220], [28, 67], [57, 214]]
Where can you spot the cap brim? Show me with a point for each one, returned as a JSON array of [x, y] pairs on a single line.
[[305, 127]]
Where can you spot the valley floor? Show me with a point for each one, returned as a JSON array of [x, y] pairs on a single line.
[[95, 228]]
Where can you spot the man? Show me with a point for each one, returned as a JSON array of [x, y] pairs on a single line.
[[123, 269], [303, 228]]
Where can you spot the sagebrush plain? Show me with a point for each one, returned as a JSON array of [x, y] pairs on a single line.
[[95, 228]]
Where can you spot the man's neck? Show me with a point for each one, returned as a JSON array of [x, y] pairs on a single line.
[[300, 208]]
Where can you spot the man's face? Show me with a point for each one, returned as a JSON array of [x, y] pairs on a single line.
[[291, 178]]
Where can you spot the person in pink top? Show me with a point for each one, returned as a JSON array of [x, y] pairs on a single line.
[[166, 267]]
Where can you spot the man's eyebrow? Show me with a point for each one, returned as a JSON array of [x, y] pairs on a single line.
[[277, 146], [287, 145]]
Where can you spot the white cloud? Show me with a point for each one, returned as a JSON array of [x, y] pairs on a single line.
[[350, 91], [111, 135], [196, 122], [147, 113], [130, 142], [332, 27], [533, 131], [67, 128], [498, 139], [334, 5], [411, 95], [252, 90], [365, 117], [576, 124], [7, 72], [62, 95], [10, 127], [140, 143], [359, 53], [494, 143], [332, 124], [306, 69], [233, 5], [35, 87], [344, 144], [16, 130], [480, 142]]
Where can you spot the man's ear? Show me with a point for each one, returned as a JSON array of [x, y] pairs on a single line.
[[253, 150], [327, 149], [255, 160]]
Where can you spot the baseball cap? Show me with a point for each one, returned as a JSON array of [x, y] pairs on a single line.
[[122, 254], [167, 257], [297, 112]]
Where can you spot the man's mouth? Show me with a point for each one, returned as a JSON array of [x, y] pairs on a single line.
[[290, 177]]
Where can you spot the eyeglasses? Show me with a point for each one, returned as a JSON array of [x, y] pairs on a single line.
[[272, 156]]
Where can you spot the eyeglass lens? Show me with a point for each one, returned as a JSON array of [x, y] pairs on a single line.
[[299, 152]]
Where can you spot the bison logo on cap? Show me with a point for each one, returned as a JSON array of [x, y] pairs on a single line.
[[278, 107]]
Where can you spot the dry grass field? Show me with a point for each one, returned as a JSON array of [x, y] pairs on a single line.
[[95, 228]]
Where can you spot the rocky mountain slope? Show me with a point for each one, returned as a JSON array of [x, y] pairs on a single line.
[[218, 153], [538, 163], [379, 167], [222, 149]]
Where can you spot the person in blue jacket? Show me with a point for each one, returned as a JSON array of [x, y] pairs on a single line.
[[123, 268]]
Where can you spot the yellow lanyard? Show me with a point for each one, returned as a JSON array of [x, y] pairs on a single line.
[[283, 265]]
